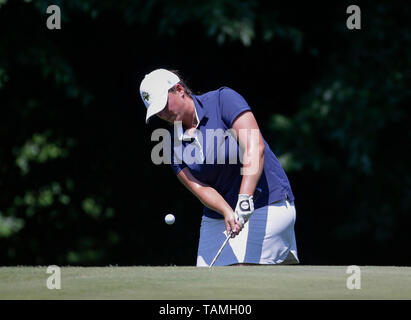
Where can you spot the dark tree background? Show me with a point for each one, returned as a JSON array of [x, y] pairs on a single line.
[[77, 184]]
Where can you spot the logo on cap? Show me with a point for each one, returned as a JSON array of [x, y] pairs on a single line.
[[146, 96]]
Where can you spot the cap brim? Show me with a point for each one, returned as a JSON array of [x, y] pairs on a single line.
[[156, 106]]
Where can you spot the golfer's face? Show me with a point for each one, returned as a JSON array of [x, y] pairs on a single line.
[[171, 112]]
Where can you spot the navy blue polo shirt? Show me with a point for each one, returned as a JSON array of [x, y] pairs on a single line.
[[215, 160]]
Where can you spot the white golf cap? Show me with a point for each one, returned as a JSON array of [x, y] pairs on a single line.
[[154, 90]]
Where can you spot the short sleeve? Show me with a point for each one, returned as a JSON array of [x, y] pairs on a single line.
[[232, 104], [177, 167]]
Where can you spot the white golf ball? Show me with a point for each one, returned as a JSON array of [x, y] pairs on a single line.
[[169, 219]]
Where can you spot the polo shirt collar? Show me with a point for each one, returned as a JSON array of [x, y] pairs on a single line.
[[199, 115], [199, 109]]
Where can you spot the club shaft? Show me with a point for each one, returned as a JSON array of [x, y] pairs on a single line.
[[221, 249]]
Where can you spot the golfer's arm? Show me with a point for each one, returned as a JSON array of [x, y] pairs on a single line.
[[208, 196], [252, 143]]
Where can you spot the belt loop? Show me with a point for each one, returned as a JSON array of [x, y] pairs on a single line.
[[286, 200]]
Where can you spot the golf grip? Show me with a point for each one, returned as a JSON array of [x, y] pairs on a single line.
[[257, 193]]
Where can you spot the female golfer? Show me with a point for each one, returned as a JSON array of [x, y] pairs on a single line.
[[224, 175]]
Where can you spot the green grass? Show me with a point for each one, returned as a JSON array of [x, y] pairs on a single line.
[[219, 283]]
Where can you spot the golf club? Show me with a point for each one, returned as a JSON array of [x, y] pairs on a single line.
[[255, 197]]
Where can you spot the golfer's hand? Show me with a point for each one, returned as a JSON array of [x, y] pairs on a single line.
[[244, 208], [232, 224]]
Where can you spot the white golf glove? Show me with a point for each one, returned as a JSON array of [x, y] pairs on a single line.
[[244, 208]]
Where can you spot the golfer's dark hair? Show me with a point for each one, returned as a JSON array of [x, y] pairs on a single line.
[[182, 82]]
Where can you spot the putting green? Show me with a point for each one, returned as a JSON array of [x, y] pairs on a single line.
[[218, 283]]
